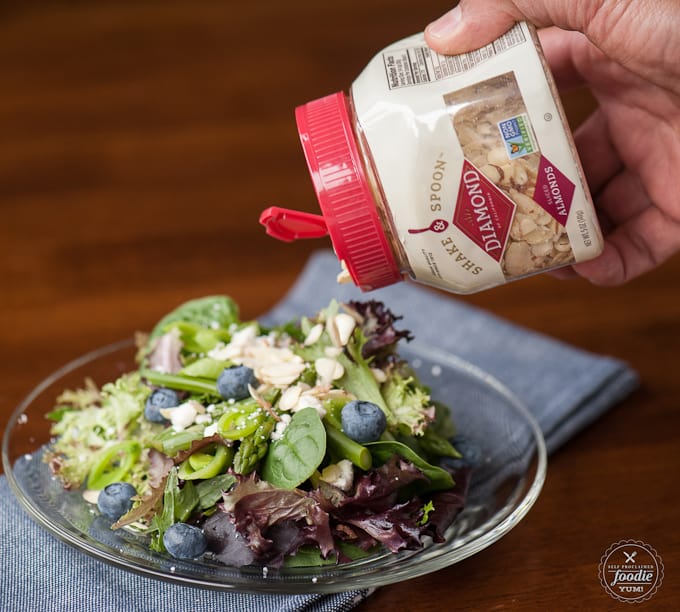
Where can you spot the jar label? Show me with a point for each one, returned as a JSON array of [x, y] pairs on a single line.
[[517, 136], [475, 162], [483, 212], [554, 191], [410, 66]]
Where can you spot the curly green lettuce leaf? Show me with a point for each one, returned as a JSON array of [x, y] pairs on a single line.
[[411, 409], [81, 433], [406, 403], [75, 399]]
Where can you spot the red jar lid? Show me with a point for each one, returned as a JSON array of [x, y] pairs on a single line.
[[350, 213]]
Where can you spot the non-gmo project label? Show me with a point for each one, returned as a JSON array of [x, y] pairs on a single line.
[[517, 136]]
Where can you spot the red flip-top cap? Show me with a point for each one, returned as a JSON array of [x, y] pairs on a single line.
[[342, 187]]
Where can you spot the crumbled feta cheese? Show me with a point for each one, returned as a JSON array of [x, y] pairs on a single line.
[[240, 338], [339, 474], [310, 401], [244, 336], [210, 430], [183, 415], [280, 427]]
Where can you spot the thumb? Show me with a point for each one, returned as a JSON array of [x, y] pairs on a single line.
[[473, 24]]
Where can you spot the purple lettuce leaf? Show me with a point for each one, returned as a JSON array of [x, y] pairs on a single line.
[[271, 523], [225, 542], [396, 528], [448, 504], [258, 523], [373, 509], [377, 325], [378, 490]]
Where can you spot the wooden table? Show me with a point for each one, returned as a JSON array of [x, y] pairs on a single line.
[[139, 142]]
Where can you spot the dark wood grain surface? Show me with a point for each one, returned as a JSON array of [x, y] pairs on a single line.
[[138, 143]]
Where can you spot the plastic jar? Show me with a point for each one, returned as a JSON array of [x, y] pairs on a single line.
[[457, 171]]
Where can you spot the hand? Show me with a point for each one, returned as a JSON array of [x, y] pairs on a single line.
[[628, 53]]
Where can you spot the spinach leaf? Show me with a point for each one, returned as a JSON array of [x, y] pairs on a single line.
[[208, 312], [196, 338], [205, 367], [295, 456]]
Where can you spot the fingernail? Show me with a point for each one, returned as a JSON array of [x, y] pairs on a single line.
[[446, 24]]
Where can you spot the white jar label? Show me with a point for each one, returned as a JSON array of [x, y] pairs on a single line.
[[475, 162]]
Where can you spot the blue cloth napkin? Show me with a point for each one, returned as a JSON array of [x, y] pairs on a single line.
[[564, 387]]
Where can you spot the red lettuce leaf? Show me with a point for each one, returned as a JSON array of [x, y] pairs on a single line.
[[378, 490], [448, 504], [377, 325], [225, 542], [272, 523], [373, 508], [258, 523], [396, 528]]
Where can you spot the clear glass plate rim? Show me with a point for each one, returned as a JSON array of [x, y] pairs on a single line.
[[301, 584]]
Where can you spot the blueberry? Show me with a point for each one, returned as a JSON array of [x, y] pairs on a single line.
[[469, 449], [363, 421], [115, 499], [233, 382], [184, 541], [160, 398]]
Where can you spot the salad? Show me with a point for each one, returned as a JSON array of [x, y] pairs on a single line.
[[307, 443]]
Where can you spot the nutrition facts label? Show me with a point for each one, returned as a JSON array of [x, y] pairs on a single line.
[[418, 65]]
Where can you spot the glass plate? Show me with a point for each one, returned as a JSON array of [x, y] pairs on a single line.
[[503, 488]]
